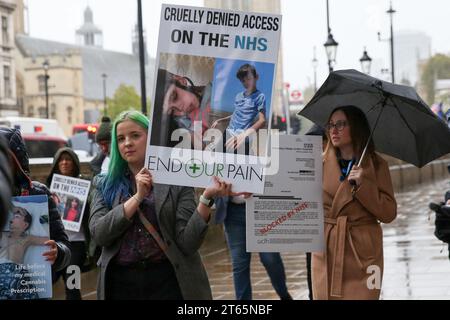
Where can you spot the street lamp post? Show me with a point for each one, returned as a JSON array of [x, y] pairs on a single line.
[[104, 76], [287, 109], [46, 77], [315, 64], [366, 62], [330, 45], [391, 12], [142, 58]]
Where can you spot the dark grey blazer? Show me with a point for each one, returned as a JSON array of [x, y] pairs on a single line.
[[182, 227]]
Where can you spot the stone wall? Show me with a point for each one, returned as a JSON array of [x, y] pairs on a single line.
[[404, 176]]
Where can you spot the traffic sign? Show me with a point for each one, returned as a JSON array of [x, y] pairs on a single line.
[[296, 95]]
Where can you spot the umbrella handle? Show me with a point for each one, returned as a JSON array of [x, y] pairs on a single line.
[[353, 182]]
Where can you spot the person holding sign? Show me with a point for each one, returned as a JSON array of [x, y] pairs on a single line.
[[67, 163], [356, 200], [231, 212], [150, 233]]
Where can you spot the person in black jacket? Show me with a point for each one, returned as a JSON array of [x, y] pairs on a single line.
[[67, 163], [59, 246], [442, 221], [103, 138], [5, 183]]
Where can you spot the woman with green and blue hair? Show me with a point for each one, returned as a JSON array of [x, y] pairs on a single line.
[[150, 233]]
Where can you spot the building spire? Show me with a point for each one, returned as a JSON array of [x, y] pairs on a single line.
[[89, 34]]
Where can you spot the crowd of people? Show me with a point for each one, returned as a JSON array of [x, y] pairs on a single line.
[[145, 237], [438, 109]]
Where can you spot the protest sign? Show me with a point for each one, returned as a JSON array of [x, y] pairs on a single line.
[[70, 195], [289, 216], [213, 94], [24, 273]]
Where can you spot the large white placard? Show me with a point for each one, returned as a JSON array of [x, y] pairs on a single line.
[[212, 100]]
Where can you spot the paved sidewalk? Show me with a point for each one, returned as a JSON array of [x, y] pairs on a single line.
[[417, 264]]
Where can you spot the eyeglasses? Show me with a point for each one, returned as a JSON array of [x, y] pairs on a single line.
[[339, 125]]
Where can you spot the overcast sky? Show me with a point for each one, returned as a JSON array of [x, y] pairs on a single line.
[[354, 24]]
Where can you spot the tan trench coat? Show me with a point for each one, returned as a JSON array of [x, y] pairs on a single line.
[[353, 235]]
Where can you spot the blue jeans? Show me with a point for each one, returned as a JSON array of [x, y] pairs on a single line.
[[235, 234]]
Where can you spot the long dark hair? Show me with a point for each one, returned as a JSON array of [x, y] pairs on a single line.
[[359, 131]]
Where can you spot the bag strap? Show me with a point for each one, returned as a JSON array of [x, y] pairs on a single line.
[[151, 229]]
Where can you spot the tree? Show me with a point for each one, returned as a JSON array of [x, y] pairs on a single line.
[[437, 67], [125, 98]]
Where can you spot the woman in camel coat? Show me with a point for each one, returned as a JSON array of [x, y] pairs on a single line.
[[352, 265]]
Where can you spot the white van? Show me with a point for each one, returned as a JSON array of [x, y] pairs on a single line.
[[27, 126], [42, 137]]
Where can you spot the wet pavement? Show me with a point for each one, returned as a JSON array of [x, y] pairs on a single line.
[[417, 264]]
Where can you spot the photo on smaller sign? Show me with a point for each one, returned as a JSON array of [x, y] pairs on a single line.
[[73, 209]]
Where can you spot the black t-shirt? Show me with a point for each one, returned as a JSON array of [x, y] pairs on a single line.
[[346, 167]]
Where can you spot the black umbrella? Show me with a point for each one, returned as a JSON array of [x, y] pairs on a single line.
[[402, 124]]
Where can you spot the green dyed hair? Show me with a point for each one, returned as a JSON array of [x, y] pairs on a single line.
[[115, 180]]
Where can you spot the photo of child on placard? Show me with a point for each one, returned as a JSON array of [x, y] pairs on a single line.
[[240, 104], [73, 209], [234, 97], [182, 101]]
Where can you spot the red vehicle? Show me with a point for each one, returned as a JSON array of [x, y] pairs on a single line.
[[91, 128], [43, 146]]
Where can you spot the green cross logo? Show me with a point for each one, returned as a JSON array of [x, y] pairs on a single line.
[[194, 168]]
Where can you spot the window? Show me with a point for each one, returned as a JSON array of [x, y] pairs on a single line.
[[31, 111], [42, 112], [5, 31], [69, 114], [89, 39], [37, 148], [53, 111], [7, 81], [41, 83]]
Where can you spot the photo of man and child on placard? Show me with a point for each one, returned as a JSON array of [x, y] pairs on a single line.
[[234, 98], [24, 273]]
